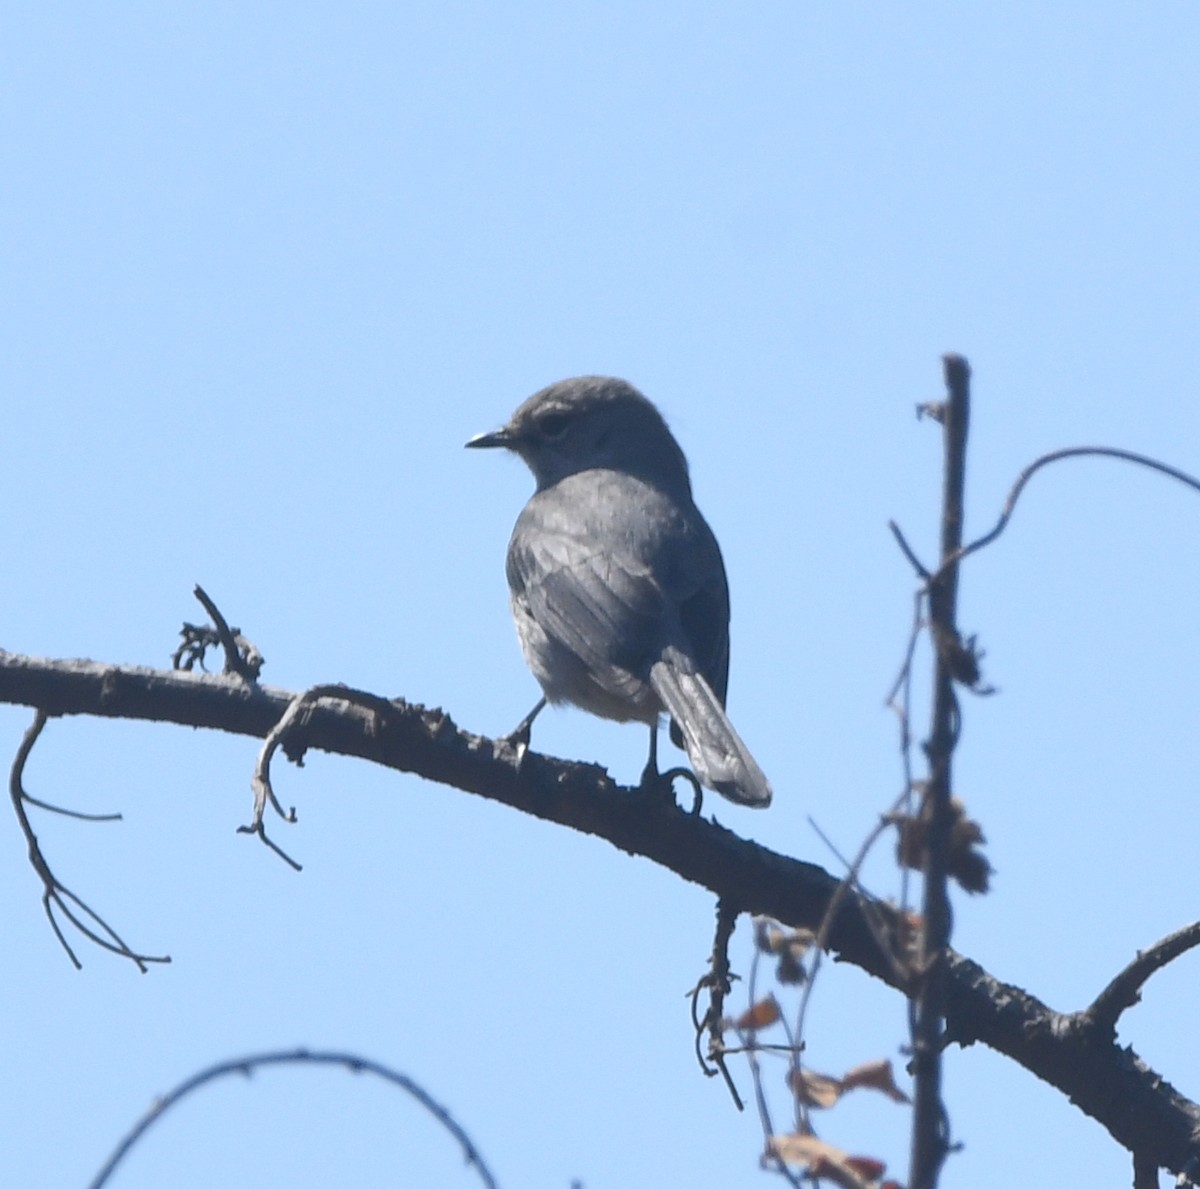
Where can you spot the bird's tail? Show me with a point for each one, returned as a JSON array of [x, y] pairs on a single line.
[[720, 759]]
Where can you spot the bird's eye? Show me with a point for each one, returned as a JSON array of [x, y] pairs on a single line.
[[552, 425]]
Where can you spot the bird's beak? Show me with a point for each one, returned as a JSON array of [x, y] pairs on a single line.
[[499, 437]]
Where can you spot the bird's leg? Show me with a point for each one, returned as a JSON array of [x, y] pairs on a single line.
[[653, 781], [650, 777], [518, 737]]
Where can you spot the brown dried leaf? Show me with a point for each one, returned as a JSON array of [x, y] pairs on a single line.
[[867, 1167], [909, 928], [818, 1159], [788, 945], [967, 865], [791, 970], [768, 936], [760, 1015], [802, 1149], [971, 870], [966, 830], [814, 1089], [910, 841], [875, 1075]]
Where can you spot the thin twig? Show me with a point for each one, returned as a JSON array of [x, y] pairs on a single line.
[[247, 1065], [1125, 990], [750, 1046], [903, 688], [298, 709], [783, 1050], [197, 639], [848, 883], [1058, 456], [241, 656], [719, 982], [55, 894], [77, 814], [769, 1159], [259, 830], [906, 549]]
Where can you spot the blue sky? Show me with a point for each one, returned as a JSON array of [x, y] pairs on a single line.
[[268, 268]]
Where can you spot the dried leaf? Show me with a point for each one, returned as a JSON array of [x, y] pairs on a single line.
[[875, 1075], [802, 1149], [909, 927], [967, 831], [910, 841], [966, 864], [867, 1167], [790, 970], [819, 1159], [971, 870], [760, 1015], [814, 1089], [801, 940], [768, 936], [788, 945]]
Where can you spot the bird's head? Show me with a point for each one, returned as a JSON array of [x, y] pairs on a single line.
[[588, 423]]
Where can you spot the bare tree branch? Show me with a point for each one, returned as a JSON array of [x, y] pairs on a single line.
[[1125, 990], [930, 1128], [245, 1066], [56, 896], [1111, 1084]]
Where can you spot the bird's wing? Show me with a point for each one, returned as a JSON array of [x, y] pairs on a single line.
[[701, 597], [617, 591], [607, 610]]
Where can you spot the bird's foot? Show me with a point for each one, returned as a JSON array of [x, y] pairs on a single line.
[[663, 784], [518, 738]]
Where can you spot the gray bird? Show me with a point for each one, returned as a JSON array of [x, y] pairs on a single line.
[[616, 581]]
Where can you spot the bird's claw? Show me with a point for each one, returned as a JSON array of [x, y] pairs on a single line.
[[663, 783]]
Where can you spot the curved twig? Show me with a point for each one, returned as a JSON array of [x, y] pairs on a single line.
[[1057, 456], [298, 710], [719, 982], [55, 894], [1125, 990], [247, 1065], [846, 885], [77, 814], [770, 1158], [241, 655]]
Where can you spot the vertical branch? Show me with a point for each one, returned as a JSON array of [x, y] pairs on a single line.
[[930, 1132]]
